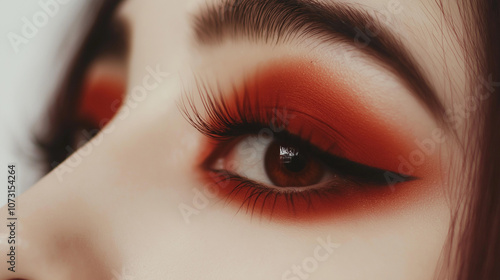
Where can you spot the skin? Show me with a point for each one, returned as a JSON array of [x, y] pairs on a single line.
[[113, 207]]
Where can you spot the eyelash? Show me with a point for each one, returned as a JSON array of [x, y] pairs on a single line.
[[219, 124], [225, 122], [254, 191]]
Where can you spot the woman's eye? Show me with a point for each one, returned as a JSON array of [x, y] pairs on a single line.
[[275, 162], [285, 163], [286, 176], [325, 158]]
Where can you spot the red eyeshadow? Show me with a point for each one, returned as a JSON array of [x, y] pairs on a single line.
[[314, 208], [335, 118], [349, 122], [100, 100]]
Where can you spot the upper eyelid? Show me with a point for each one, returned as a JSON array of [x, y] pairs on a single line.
[[276, 21], [328, 158], [208, 128]]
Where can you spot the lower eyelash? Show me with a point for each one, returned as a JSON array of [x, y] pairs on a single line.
[[254, 191], [256, 196]]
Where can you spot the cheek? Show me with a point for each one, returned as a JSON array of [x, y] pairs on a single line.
[[402, 244]]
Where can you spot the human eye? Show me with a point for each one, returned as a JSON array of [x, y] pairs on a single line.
[[277, 149]]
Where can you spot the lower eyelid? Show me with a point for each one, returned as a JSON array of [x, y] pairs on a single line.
[[314, 205]]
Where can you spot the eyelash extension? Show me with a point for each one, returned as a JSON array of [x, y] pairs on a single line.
[[222, 123], [219, 122]]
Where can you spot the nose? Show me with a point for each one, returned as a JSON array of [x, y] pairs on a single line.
[[81, 220], [57, 230], [41, 241]]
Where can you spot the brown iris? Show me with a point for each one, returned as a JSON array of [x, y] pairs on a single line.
[[289, 165]]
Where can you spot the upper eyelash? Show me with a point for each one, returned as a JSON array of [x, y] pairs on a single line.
[[217, 119], [219, 123]]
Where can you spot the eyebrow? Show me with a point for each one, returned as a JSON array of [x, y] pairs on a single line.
[[279, 21]]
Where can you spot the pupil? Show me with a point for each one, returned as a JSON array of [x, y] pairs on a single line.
[[290, 165], [292, 159]]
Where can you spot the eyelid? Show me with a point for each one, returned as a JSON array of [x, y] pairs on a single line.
[[352, 172], [326, 108], [328, 202]]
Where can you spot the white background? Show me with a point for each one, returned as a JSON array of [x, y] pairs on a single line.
[[28, 78]]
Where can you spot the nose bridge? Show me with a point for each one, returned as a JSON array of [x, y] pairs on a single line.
[[50, 240]]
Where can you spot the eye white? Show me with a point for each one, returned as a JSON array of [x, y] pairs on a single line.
[[246, 159]]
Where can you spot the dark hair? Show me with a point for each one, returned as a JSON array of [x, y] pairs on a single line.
[[474, 243], [478, 244], [57, 143]]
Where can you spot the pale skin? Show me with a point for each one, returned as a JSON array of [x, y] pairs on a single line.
[[115, 209]]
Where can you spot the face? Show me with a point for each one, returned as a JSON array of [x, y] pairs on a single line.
[[259, 140]]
